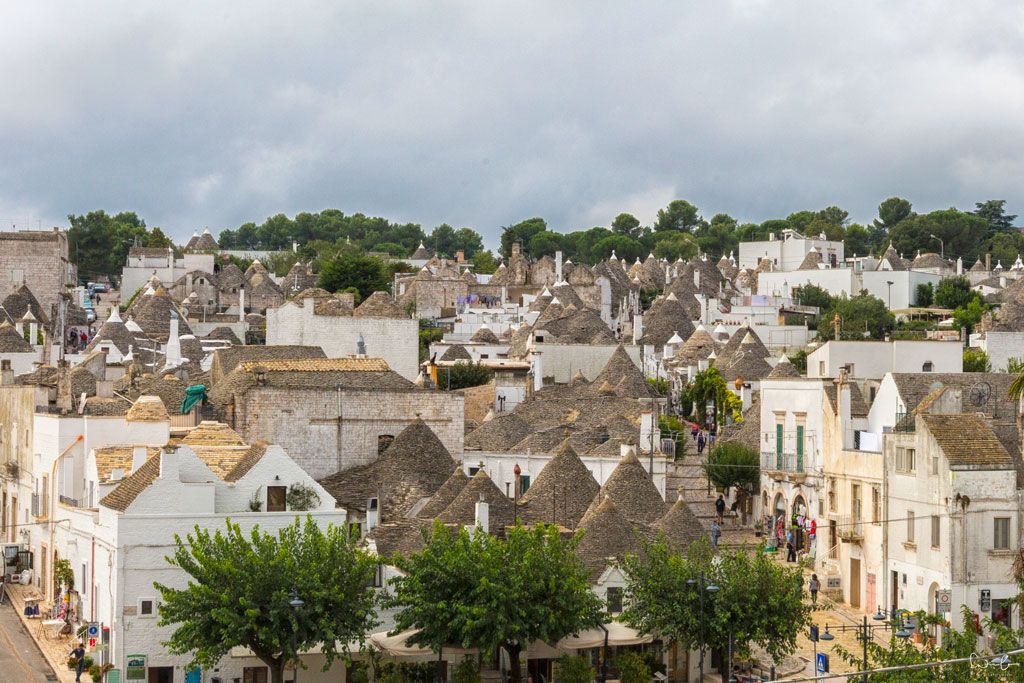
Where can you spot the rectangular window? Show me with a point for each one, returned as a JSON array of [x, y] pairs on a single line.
[[1001, 526], [799, 448], [936, 528], [935, 465], [524, 483], [614, 600], [856, 508], [147, 607], [254, 674], [821, 368], [910, 526], [831, 494], [876, 505], [276, 498], [905, 460]]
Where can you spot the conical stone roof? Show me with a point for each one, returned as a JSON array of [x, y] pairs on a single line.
[[462, 510], [667, 316], [562, 491], [679, 525], [444, 496], [783, 369], [485, 335], [698, 347], [622, 373], [607, 536], [456, 352], [11, 341], [632, 491]]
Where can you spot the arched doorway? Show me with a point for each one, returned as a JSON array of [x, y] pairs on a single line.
[[799, 508]]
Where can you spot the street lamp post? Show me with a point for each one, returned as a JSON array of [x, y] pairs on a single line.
[[942, 245], [702, 587], [295, 603], [900, 628]]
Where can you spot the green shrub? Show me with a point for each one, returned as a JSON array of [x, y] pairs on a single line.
[[573, 669], [463, 375], [466, 672], [95, 674], [632, 668]]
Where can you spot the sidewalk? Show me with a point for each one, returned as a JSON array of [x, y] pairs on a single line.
[[55, 650]]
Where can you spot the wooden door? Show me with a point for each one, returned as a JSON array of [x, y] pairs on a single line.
[[854, 582], [276, 498], [872, 600]]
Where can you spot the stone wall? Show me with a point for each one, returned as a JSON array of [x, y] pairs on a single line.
[[38, 259], [393, 339], [305, 422]]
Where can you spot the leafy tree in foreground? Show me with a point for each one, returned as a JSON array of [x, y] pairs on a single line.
[[239, 586], [956, 644], [475, 590], [463, 375], [758, 600], [925, 294]]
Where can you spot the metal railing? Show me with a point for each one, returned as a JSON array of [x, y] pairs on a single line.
[[784, 462], [904, 422], [849, 527]]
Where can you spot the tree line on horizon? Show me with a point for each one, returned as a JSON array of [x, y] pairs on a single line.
[[99, 241]]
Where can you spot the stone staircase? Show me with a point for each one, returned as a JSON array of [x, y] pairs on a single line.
[[687, 474]]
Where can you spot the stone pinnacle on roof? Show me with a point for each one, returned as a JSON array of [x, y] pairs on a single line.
[[607, 533], [783, 369]]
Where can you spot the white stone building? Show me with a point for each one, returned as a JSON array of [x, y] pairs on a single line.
[[145, 262], [874, 359], [378, 331], [789, 251]]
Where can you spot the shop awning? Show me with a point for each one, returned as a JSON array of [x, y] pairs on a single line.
[[618, 634]]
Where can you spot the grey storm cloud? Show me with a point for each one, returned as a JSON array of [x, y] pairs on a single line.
[[480, 114]]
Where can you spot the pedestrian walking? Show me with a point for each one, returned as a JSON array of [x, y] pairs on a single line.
[[814, 586], [78, 654], [716, 533], [720, 508], [701, 442], [790, 552], [693, 432]]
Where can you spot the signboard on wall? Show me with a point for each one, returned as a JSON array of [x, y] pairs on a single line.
[[943, 601], [135, 669]]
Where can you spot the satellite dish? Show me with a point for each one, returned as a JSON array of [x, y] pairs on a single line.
[[980, 393]]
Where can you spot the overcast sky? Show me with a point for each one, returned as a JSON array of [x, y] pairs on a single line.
[[480, 114]]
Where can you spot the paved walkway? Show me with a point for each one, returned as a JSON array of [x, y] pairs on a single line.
[[48, 648], [20, 658]]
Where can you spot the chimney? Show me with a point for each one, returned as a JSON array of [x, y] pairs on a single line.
[[482, 515], [558, 266], [696, 278], [516, 248], [371, 514], [460, 256], [648, 429], [638, 327], [168, 462], [6, 373], [173, 349], [241, 304], [625, 449], [139, 457], [959, 265]]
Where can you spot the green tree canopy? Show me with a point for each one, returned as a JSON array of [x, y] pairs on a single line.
[[892, 212], [813, 295], [969, 314], [521, 232], [733, 464], [976, 360], [476, 590], [856, 241], [239, 586], [98, 243], [858, 314], [623, 246], [351, 269], [954, 292], [758, 600], [678, 215], [626, 224], [961, 233], [484, 262], [994, 213], [675, 245]]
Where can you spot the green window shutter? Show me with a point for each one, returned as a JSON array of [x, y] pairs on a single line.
[[778, 446], [800, 448]]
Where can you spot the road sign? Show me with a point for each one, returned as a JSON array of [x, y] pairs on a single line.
[[94, 629], [821, 664], [943, 601]]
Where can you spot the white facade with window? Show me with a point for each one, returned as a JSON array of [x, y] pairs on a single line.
[[874, 359], [953, 518]]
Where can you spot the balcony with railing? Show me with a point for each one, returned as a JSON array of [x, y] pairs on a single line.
[[849, 528], [790, 459]]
